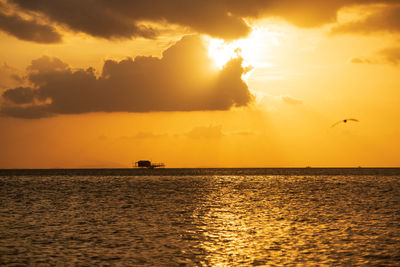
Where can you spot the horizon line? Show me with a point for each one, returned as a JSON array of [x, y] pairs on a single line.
[[133, 168]]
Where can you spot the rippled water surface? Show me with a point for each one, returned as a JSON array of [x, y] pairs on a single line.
[[200, 217]]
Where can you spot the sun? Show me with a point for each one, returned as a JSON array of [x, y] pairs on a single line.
[[221, 52], [253, 49]]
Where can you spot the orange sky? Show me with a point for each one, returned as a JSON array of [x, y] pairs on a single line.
[[199, 84]]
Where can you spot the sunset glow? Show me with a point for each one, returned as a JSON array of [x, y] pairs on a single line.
[[235, 85], [199, 133]]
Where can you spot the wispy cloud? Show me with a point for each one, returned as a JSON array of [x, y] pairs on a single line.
[[390, 55], [207, 132], [291, 100]]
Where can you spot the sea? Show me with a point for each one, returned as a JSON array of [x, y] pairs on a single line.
[[200, 217]]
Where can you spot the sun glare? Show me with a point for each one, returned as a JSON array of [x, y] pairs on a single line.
[[253, 49], [221, 52]]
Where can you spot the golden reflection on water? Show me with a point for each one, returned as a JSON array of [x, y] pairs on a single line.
[[268, 222], [237, 228]]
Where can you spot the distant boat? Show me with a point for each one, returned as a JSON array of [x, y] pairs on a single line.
[[148, 164]]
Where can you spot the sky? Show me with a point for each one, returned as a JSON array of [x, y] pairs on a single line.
[[210, 83]]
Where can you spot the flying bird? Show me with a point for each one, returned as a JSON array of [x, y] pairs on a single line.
[[344, 121]]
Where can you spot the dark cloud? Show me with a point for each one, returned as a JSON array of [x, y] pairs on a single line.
[[123, 19], [20, 95], [28, 30], [31, 111], [218, 18], [385, 19], [184, 79]]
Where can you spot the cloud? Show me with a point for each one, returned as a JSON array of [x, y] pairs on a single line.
[[141, 135], [184, 79], [218, 18], [243, 133], [20, 95], [291, 100], [28, 30], [206, 132], [389, 55], [46, 64], [9, 77], [359, 60], [26, 111], [124, 19], [215, 132], [386, 19]]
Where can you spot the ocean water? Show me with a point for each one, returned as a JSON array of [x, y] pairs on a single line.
[[200, 217]]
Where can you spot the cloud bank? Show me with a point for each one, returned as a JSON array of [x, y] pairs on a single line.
[[218, 18], [184, 79]]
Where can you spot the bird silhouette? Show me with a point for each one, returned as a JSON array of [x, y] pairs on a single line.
[[344, 121]]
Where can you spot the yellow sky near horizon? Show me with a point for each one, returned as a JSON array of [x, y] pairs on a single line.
[[303, 80]]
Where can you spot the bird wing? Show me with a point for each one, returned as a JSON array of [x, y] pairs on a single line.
[[352, 120], [336, 123]]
